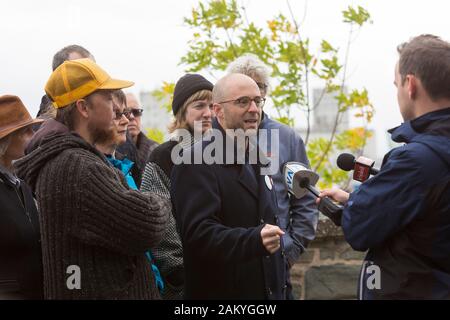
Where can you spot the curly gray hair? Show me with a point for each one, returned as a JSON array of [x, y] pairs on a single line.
[[250, 65]]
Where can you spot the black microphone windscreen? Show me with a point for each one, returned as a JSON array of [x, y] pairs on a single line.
[[346, 161]]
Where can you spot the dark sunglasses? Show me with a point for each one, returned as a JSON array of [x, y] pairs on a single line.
[[119, 114], [135, 112], [128, 112]]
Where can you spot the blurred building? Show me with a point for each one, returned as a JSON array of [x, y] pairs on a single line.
[[155, 116], [325, 111], [323, 119]]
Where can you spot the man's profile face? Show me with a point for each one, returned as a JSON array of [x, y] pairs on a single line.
[[235, 116], [101, 117]]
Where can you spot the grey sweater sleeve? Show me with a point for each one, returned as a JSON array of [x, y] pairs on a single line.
[[169, 253], [115, 217]]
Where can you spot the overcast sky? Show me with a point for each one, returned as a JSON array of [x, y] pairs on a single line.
[[143, 41]]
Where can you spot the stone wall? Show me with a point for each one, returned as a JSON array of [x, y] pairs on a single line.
[[329, 268]]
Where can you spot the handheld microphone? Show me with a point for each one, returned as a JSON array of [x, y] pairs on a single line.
[[300, 180], [363, 167]]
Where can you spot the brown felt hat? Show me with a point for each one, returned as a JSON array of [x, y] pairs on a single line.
[[13, 115]]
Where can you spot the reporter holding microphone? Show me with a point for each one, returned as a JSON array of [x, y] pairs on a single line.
[[402, 215]]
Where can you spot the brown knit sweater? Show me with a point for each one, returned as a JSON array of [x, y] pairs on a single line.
[[91, 219]]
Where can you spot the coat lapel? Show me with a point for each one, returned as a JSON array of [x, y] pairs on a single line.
[[248, 180], [267, 200]]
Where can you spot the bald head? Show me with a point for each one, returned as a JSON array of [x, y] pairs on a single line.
[[234, 102], [230, 83], [132, 100]]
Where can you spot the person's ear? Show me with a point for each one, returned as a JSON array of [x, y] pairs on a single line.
[[411, 82], [82, 107], [218, 110]]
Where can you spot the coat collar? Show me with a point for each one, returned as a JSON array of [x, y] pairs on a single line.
[[7, 177], [259, 186], [406, 132], [144, 146], [248, 178]]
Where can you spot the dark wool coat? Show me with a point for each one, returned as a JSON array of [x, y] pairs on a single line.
[[20, 247], [220, 210]]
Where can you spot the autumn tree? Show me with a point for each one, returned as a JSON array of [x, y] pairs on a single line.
[[221, 32]]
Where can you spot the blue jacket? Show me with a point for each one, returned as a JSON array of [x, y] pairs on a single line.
[[297, 217], [124, 166], [402, 215]]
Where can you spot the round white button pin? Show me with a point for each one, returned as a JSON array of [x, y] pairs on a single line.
[[269, 183]]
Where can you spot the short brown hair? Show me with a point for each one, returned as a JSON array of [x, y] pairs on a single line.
[[63, 54], [66, 115], [120, 95], [428, 58], [180, 117]]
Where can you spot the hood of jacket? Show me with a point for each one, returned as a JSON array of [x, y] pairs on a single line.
[[50, 147], [431, 129], [48, 127]]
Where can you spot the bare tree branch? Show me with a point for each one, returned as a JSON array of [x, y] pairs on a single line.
[[308, 115], [338, 114]]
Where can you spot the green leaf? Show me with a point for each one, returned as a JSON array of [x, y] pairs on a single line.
[[326, 47], [359, 16], [155, 134]]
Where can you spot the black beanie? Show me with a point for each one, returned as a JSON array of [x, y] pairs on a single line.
[[186, 86]]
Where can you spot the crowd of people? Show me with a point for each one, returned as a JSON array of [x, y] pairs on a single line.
[[91, 208]]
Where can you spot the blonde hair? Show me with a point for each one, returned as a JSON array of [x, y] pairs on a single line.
[[180, 117]]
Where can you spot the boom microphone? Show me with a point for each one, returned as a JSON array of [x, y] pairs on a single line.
[[363, 167]]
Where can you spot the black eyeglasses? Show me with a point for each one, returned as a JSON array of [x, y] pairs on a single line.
[[244, 102]]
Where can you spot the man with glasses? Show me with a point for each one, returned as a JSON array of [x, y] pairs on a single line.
[[226, 211], [137, 147], [298, 217]]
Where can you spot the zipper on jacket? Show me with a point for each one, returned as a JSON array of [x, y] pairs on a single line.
[[22, 202]]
